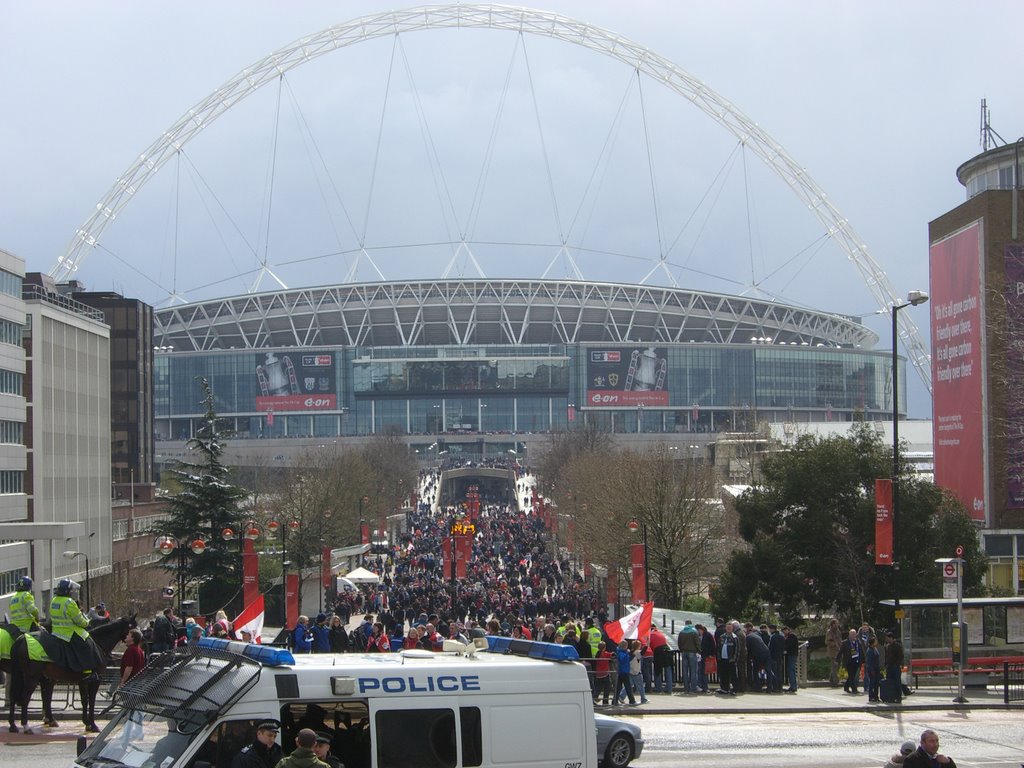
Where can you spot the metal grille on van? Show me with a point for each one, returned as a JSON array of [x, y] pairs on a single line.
[[189, 685]]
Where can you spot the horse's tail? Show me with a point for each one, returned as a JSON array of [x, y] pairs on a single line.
[[19, 668]]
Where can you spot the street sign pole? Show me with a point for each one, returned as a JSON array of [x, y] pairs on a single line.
[[949, 564], [963, 630]]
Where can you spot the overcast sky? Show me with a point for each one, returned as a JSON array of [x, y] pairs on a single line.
[[397, 145]]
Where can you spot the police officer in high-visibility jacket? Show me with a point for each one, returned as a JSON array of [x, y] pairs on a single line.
[[593, 636], [22, 609], [80, 652]]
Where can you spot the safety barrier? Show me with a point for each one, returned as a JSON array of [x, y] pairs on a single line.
[[1013, 682]]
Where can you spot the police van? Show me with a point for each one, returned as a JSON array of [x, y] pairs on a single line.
[[497, 702]]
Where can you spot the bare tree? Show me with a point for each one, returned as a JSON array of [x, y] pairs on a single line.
[[676, 500]]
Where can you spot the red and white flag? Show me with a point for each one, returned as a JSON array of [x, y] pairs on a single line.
[[632, 626], [251, 620]]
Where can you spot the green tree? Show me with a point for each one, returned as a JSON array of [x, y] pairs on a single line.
[[203, 506], [809, 529]]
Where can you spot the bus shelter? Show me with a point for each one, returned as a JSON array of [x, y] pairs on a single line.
[[995, 625]]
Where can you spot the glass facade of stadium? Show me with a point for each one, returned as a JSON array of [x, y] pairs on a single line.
[[326, 391]]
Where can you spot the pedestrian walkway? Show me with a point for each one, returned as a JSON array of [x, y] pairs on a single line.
[[814, 698]]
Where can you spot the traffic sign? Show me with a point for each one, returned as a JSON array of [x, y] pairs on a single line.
[[959, 551], [949, 570]]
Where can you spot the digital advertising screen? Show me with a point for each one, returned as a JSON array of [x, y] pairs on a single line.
[[958, 332], [627, 377], [296, 381]]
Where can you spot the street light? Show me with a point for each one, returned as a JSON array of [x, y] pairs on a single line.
[[914, 298], [168, 544], [71, 555], [635, 525], [274, 526]]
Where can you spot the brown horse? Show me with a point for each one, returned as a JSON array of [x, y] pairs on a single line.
[[27, 675]]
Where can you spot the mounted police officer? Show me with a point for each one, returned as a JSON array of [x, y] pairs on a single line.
[[23, 612], [78, 651]]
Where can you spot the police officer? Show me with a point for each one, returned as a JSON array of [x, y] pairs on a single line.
[[264, 752], [593, 636], [23, 611], [69, 625], [322, 750]]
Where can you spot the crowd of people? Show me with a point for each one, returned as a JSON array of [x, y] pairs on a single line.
[[516, 584], [859, 655]]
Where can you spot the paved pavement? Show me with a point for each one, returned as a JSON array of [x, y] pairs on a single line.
[[814, 698]]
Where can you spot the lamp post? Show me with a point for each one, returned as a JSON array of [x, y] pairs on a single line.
[[635, 525], [168, 544], [914, 298], [320, 578], [249, 531], [274, 526], [71, 555]]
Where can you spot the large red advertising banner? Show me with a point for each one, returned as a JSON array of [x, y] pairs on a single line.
[[958, 333], [1014, 298], [883, 522]]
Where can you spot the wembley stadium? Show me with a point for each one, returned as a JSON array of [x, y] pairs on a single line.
[[504, 357], [470, 361]]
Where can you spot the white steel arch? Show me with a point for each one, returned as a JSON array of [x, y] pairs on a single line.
[[527, 21]]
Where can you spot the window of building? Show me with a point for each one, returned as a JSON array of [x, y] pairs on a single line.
[[12, 481], [12, 432], [9, 580], [11, 383], [10, 283]]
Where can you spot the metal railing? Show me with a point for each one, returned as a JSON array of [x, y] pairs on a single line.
[[1013, 682]]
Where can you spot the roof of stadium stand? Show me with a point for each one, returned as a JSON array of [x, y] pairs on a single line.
[[461, 312]]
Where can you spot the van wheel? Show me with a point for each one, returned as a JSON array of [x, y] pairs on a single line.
[[619, 751]]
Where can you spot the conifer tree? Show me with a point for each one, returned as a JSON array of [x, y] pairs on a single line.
[[205, 505]]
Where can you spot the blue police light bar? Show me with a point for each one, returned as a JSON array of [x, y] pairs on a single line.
[[534, 649], [265, 654]]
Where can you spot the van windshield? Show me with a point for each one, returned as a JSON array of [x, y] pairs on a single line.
[[137, 739]]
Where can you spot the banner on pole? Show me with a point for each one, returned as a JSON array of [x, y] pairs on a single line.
[[250, 572], [637, 557], [883, 522]]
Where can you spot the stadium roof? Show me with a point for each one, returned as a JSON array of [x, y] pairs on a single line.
[[461, 312]]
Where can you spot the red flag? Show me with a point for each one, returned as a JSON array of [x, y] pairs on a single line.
[[883, 522], [251, 620], [632, 626]]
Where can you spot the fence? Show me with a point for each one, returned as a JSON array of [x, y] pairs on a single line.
[[1013, 682], [678, 674]]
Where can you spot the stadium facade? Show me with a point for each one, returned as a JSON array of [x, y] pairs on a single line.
[[489, 356]]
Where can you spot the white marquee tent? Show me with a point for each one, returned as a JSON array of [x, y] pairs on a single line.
[[362, 576]]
